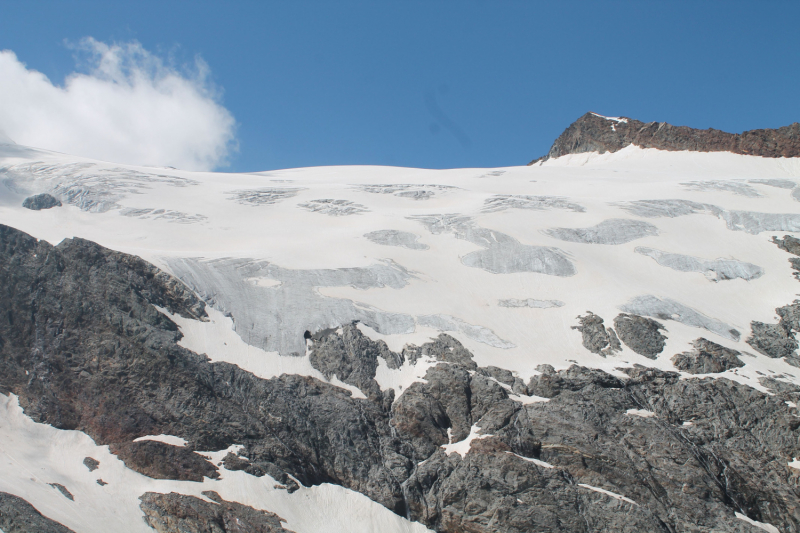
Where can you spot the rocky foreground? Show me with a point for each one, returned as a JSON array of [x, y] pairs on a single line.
[[84, 347]]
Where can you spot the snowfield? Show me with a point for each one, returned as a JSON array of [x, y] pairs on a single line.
[[502, 259]]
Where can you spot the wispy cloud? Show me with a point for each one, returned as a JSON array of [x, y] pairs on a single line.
[[128, 106]]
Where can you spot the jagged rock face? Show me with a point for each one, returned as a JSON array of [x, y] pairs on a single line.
[[640, 334], [80, 320], [791, 245], [19, 516], [707, 358], [595, 133], [178, 513], [596, 337], [41, 201], [778, 340]]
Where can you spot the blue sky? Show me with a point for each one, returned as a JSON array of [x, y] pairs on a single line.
[[439, 84]]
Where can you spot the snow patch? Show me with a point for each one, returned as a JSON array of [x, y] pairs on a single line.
[[166, 439], [462, 447], [608, 493], [537, 462], [613, 119], [761, 525], [355, 392], [644, 413], [795, 463]]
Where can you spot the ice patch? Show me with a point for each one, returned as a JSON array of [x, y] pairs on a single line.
[[748, 221], [391, 237], [530, 302], [263, 196], [668, 309], [734, 186], [779, 183], [276, 318], [608, 493], [334, 208], [476, 333], [715, 270], [405, 190], [502, 253], [612, 231], [87, 185], [502, 202]]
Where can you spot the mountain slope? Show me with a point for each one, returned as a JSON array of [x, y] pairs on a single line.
[[599, 342]]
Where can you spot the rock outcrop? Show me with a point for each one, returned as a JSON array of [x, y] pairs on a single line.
[[791, 245], [707, 358], [596, 133], [596, 337], [19, 516], [164, 461], [41, 201], [178, 513], [640, 334]]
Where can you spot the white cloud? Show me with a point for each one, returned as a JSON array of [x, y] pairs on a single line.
[[128, 107]]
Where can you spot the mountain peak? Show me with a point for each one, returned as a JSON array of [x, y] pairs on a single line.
[[597, 133]]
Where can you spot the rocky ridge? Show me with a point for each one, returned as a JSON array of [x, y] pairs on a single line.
[[577, 450], [596, 133]]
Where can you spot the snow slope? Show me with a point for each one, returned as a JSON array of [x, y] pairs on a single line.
[[503, 259]]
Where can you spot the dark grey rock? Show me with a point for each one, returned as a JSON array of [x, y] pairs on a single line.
[[353, 358], [707, 358], [178, 513], [778, 340], [41, 201], [596, 133], [550, 383], [91, 464], [101, 483], [159, 460], [63, 490], [234, 462], [19, 516], [596, 337], [788, 244], [791, 245], [640, 334], [788, 392]]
